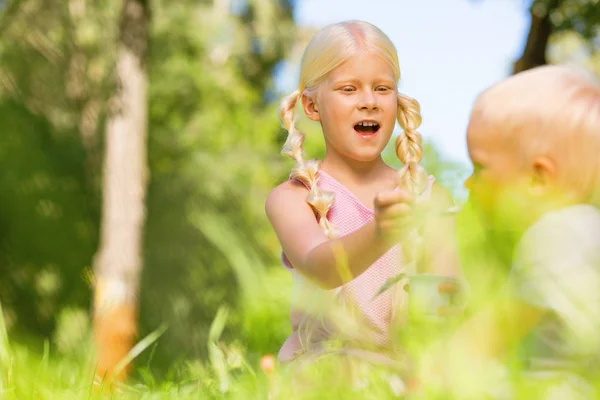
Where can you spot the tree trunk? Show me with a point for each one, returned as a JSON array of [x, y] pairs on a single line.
[[534, 54], [118, 262]]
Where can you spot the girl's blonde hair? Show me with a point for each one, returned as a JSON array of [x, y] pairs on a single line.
[[328, 49], [552, 111]]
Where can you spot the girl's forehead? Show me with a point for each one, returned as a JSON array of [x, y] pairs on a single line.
[[363, 65]]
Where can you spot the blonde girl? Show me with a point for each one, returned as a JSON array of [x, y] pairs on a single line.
[[348, 224]]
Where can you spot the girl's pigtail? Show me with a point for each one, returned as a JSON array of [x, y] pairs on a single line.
[[409, 150], [305, 171], [412, 175]]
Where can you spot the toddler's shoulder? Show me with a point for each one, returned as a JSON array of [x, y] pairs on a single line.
[[569, 233]]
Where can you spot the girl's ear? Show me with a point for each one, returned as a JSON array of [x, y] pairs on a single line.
[[310, 106], [543, 175]]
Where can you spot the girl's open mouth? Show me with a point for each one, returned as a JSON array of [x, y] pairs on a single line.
[[367, 129]]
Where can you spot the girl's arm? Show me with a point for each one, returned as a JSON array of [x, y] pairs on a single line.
[[317, 257]]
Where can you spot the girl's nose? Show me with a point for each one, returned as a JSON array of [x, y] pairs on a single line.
[[368, 100]]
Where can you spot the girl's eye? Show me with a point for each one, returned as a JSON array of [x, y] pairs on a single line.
[[382, 89], [347, 89]]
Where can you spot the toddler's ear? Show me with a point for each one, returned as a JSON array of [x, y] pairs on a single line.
[[310, 106], [543, 175]]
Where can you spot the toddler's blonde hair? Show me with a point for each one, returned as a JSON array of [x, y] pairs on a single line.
[[552, 111]]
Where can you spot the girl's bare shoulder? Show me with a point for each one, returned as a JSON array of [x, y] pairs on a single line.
[[287, 196]]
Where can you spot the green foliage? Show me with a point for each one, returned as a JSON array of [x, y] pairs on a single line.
[[55, 69], [213, 154], [213, 149], [580, 16], [48, 230]]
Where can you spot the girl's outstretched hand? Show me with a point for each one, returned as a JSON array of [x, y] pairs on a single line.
[[394, 214]]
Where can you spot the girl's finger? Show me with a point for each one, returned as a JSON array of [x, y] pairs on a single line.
[[384, 199], [398, 210]]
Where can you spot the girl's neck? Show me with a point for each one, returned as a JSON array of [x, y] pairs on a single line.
[[356, 172]]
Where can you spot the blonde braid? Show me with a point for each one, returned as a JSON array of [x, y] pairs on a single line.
[[305, 171], [412, 176], [409, 145]]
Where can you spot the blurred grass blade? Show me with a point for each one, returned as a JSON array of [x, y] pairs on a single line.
[[389, 283], [218, 324], [217, 358], [241, 257], [5, 367], [140, 347], [341, 262], [4, 344]]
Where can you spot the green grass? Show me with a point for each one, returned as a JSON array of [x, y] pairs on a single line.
[[227, 373], [230, 372], [62, 367]]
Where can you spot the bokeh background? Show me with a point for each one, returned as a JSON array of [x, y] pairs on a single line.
[[216, 70]]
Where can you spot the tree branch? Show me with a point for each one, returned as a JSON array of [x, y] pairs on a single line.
[[534, 54]]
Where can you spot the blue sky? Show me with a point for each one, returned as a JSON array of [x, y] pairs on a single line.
[[449, 51]]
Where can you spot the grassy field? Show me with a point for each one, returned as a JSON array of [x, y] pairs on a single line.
[[238, 366]]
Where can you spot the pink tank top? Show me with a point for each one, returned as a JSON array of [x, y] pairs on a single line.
[[371, 312]]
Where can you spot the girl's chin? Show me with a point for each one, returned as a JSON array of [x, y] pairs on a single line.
[[365, 156]]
